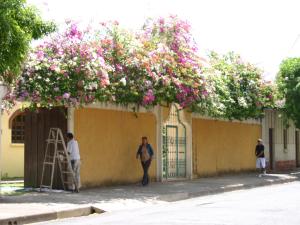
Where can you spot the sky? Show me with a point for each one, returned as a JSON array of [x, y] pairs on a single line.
[[263, 32]]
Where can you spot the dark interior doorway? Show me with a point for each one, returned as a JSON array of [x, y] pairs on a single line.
[[271, 148], [37, 125], [297, 148]]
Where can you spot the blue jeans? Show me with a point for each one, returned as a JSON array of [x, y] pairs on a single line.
[[146, 166]]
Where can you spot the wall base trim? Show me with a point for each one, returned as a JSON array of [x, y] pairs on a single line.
[[285, 165]]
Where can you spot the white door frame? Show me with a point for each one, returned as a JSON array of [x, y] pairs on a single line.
[[188, 127]]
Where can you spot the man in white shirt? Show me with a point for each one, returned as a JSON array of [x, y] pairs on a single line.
[[73, 151]]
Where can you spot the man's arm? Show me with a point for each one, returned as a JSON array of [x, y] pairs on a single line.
[[151, 151], [261, 153], [138, 153]]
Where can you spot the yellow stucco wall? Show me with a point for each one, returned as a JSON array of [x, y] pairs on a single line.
[[12, 157], [223, 146], [108, 142]]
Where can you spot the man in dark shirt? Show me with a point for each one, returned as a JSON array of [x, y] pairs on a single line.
[[260, 156]]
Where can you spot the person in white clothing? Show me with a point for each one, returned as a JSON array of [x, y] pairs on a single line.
[[73, 151]]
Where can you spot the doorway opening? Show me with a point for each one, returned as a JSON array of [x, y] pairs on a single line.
[[174, 146], [297, 148], [271, 148]]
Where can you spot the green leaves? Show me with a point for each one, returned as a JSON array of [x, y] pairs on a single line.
[[288, 81], [19, 24], [239, 91]]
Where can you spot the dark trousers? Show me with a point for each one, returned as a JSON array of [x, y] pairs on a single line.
[[146, 166]]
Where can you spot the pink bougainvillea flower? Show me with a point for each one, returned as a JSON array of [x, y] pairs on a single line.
[[40, 54], [66, 95], [74, 32], [149, 98], [53, 67]]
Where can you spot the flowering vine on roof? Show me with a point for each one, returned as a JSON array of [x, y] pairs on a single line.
[[67, 69], [158, 64], [175, 60]]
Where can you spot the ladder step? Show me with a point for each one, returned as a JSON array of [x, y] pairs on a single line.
[[66, 172], [49, 159], [53, 141], [49, 163]]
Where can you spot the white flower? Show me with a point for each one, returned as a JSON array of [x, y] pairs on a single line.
[[101, 61], [94, 55], [57, 70], [94, 85], [242, 102], [252, 83], [123, 81]]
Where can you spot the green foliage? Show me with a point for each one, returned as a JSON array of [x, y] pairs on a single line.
[[19, 24], [239, 91], [288, 81]]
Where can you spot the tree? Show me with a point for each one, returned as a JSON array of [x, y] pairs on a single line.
[[288, 81], [19, 25], [239, 90]]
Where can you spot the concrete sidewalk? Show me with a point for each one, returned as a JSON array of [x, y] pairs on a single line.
[[35, 205]]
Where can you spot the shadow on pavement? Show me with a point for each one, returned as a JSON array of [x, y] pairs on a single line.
[[157, 191]]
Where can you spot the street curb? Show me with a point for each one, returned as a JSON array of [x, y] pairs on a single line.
[[80, 211], [186, 195]]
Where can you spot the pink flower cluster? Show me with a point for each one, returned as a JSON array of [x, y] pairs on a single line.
[[160, 63], [148, 98]]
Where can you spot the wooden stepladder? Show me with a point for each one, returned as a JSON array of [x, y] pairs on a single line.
[[58, 153]]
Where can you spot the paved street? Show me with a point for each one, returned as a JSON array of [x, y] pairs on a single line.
[[277, 204], [133, 196]]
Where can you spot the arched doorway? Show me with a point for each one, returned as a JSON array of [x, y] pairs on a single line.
[[174, 146]]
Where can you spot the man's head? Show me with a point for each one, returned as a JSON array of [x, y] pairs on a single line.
[[70, 136], [259, 141], [144, 140]]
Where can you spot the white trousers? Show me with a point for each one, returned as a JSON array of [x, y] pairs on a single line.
[[76, 170], [261, 163]]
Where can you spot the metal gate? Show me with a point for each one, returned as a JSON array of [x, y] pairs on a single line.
[[174, 146]]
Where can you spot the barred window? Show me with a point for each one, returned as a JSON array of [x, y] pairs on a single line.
[[18, 129]]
